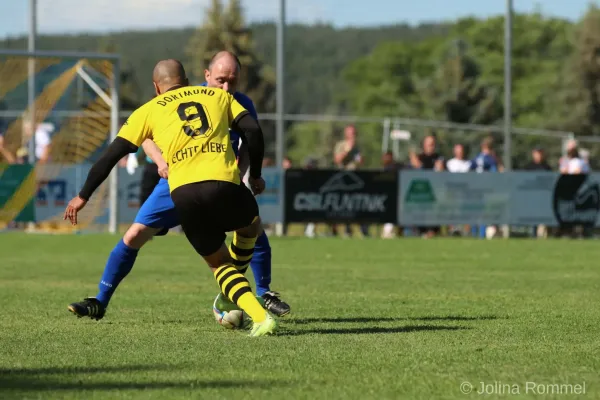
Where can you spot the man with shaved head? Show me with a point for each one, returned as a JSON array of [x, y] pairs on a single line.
[[201, 187], [223, 71]]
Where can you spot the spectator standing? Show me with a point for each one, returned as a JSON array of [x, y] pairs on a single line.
[[538, 161], [268, 162], [43, 139], [42, 149], [573, 163], [389, 164], [458, 164], [346, 155], [286, 163], [485, 162], [428, 159], [486, 159]]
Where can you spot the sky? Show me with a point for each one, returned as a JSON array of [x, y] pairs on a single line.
[[73, 16]]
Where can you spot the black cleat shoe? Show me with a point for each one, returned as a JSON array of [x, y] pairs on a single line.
[[89, 307], [274, 304]]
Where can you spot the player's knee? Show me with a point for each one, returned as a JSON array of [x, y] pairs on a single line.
[[261, 228], [218, 258], [252, 230], [263, 241], [138, 235]]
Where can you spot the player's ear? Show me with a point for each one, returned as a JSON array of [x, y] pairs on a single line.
[[206, 75], [156, 88], [186, 82]]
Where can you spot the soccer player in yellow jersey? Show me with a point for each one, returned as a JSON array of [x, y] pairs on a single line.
[[190, 125]]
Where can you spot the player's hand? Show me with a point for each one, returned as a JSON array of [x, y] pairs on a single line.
[[74, 206], [163, 171], [257, 185]]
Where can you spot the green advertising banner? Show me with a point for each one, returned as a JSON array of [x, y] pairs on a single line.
[[11, 179]]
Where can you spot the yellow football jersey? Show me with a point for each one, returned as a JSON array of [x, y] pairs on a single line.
[[190, 125]]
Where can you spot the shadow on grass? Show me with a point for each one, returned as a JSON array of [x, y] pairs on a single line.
[[371, 330], [390, 319], [50, 379], [80, 370]]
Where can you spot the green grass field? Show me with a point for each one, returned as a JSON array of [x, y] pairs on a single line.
[[404, 318]]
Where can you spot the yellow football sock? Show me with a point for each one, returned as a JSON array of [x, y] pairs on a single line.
[[237, 289], [242, 250]]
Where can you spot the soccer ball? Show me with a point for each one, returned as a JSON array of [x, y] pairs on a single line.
[[228, 315], [234, 319]]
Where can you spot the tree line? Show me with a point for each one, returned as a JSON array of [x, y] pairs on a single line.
[[447, 71]]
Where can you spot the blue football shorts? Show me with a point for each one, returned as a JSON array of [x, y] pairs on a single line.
[[158, 211]]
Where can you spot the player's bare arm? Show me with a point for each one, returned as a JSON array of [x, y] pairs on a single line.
[[152, 151], [118, 149]]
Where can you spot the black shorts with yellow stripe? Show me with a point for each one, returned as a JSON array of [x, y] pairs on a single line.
[[209, 209]]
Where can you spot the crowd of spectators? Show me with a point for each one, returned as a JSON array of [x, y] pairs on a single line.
[[347, 155]]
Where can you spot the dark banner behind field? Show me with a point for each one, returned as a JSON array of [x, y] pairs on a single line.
[[341, 196]]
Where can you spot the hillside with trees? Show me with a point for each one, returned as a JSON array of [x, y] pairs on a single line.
[[447, 72], [315, 54]]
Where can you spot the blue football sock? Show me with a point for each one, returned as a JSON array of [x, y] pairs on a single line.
[[119, 264], [261, 264]]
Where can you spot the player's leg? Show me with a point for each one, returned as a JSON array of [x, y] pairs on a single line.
[[119, 264], [259, 258], [122, 258], [261, 269], [261, 263], [156, 216], [206, 212], [248, 234], [251, 246], [248, 237], [230, 278]]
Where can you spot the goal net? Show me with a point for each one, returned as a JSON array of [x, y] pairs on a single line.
[[57, 113]]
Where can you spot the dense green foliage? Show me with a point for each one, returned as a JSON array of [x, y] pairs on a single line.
[[446, 72], [315, 54]]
